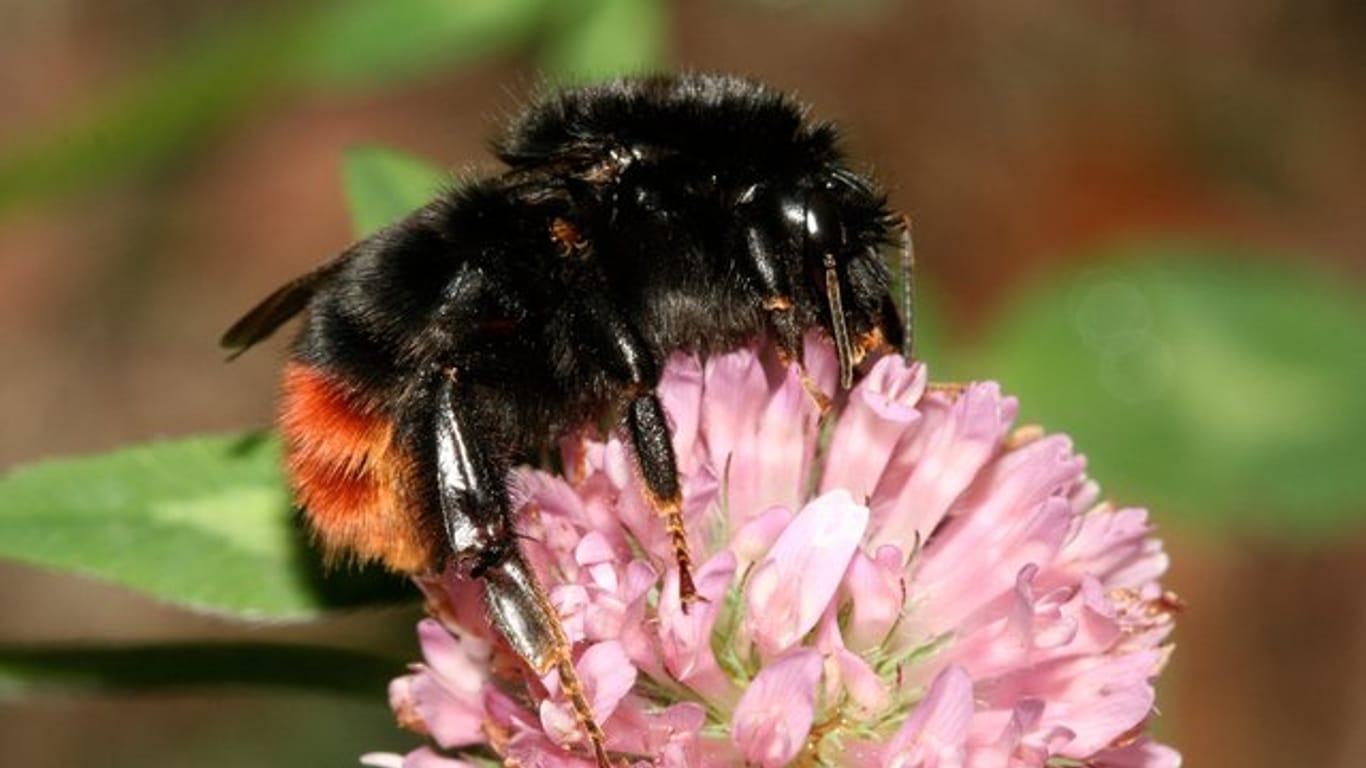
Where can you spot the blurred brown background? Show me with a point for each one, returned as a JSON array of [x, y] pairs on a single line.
[[1020, 136]]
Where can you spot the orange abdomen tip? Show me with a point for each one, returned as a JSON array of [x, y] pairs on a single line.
[[349, 474]]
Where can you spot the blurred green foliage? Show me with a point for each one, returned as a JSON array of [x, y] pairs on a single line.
[[601, 38], [362, 44], [348, 44], [383, 186], [1214, 385]]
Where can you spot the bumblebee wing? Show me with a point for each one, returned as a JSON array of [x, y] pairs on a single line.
[[277, 308]]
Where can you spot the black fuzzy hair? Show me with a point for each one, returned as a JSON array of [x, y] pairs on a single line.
[[722, 117]]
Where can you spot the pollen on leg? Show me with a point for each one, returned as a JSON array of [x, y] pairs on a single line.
[[818, 397], [583, 712], [658, 471], [869, 342], [813, 390], [672, 512]]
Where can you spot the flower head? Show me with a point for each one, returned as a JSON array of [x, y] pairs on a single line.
[[907, 582]]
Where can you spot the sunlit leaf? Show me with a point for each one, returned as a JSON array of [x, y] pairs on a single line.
[[1210, 385], [205, 523], [383, 186]]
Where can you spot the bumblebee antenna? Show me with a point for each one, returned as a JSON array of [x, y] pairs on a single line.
[[907, 288], [842, 345]]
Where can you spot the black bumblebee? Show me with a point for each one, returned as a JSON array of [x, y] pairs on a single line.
[[634, 218]]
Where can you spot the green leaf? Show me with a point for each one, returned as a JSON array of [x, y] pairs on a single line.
[[1207, 384], [205, 523], [383, 186], [606, 38], [26, 670], [365, 42]]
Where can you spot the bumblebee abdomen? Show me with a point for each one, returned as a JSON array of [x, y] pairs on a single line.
[[350, 474]]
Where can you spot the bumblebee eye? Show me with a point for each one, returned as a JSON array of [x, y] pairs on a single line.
[[823, 232]]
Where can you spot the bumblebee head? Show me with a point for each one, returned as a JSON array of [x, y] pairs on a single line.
[[838, 229]]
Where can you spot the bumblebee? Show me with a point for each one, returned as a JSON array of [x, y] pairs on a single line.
[[632, 219]]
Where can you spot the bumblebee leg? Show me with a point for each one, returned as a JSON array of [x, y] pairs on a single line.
[[626, 358], [521, 611], [658, 467], [476, 512], [768, 272]]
